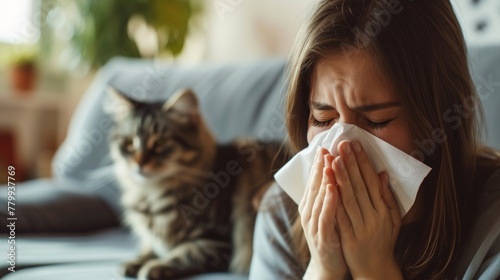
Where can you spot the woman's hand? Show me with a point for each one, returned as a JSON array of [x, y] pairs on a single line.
[[318, 209], [368, 216]]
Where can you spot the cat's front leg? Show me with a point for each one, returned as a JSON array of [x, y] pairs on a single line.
[[161, 269], [189, 258], [131, 268]]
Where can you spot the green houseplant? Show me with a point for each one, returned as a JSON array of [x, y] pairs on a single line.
[[102, 31], [23, 71]]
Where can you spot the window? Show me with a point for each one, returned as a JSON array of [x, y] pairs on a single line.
[[19, 24]]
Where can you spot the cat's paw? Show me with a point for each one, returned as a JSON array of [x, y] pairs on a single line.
[[156, 270], [131, 269]]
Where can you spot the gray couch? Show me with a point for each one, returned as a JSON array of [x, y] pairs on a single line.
[[68, 226], [72, 220]]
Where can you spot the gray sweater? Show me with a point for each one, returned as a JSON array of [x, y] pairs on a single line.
[[274, 259]]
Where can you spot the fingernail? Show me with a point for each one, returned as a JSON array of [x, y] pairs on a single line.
[[320, 158], [329, 190], [340, 163], [356, 146], [385, 178], [318, 149], [347, 148], [328, 159]]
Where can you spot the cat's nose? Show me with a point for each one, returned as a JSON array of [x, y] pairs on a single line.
[[140, 158], [141, 170], [138, 169]]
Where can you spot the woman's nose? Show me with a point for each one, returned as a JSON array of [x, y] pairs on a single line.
[[348, 119]]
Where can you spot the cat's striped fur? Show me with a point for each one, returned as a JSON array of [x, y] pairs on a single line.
[[187, 198]]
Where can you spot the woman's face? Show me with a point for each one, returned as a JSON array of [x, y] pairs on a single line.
[[352, 89]]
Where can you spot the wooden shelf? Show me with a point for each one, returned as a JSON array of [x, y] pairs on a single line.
[[38, 121], [33, 100]]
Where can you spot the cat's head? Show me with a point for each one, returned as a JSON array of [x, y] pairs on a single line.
[[152, 141]]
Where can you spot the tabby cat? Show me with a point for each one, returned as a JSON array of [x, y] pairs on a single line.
[[190, 200]]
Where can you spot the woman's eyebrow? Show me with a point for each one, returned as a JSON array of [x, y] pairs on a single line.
[[322, 106], [375, 107], [364, 108]]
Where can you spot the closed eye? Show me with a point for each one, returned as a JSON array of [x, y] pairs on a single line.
[[378, 125], [371, 124], [317, 123]]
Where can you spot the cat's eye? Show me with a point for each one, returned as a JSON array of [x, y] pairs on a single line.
[[127, 145], [165, 152], [163, 149]]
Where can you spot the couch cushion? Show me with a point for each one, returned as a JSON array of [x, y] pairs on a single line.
[[236, 100], [40, 249], [97, 271]]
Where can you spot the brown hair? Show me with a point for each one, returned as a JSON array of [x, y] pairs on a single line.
[[420, 47]]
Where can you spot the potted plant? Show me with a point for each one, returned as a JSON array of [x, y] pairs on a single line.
[[105, 29], [23, 72]]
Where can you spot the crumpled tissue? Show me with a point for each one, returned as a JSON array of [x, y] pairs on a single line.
[[405, 172]]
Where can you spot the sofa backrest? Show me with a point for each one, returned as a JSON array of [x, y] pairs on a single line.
[[236, 100], [485, 68]]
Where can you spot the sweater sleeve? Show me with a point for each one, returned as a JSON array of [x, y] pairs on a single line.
[[273, 257], [481, 255]]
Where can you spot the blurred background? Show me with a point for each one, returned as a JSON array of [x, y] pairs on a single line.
[[51, 49]]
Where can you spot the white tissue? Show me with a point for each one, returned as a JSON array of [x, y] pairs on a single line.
[[405, 172]]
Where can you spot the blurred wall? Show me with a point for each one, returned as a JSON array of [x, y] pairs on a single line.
[[237, 30], [480, 20], [254, 28], [240, 30]]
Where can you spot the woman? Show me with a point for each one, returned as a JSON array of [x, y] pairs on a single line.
[[397, 69]]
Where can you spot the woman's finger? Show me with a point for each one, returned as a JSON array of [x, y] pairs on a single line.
[[345, 229], [370, 177], [391, 202], [327, 228], [318, 203], [347, 194], [313, 186], [358, 180], [306, 192]]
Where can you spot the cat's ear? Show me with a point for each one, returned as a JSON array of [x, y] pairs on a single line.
[[118, 104], [184, 101]]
